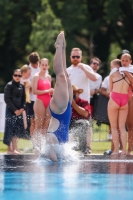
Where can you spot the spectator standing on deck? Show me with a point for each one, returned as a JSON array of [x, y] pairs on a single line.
[[41, 86], [34, 60], [14, 96], [129, 122]]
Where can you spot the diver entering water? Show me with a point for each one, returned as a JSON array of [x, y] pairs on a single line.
[[60, 104]]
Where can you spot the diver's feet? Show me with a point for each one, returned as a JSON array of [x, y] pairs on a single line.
[[60, 40], [64, 42]]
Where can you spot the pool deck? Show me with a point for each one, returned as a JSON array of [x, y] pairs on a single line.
[[82, 156]]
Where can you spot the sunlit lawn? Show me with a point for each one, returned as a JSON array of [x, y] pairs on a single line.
[[99, 142], [26, 146]]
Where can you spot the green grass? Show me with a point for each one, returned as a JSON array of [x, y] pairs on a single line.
[[99, 142], [26, 146], [100, 147]]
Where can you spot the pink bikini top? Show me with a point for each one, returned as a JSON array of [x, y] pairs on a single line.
[[43, 84]]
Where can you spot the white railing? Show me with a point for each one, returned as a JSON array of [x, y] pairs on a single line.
[[99, 133], [2, 112]]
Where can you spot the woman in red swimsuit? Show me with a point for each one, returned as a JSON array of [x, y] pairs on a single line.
[[42, 88], [118, 103]]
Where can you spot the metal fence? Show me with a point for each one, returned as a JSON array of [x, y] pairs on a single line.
[[100, 133]]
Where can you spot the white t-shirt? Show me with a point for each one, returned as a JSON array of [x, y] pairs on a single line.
[[33, 72], [79, 79], [105, 83], [96, 84]]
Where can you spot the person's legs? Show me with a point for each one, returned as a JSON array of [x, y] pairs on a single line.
[[30, 117], [15, 145], [32, 125], [39, 112], [9, 149], [113, 109], [60, 98], [109, 136], [129, 124], [122, 122], [88, 140], [46, 120], [50, 152]]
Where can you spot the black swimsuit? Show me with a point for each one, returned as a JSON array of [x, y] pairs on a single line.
[[123, 77]]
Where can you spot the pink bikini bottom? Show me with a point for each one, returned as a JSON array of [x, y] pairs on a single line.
[[120, 99]]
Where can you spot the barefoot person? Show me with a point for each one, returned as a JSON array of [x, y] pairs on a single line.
[[41, 86], [60, 104], [129, 122], [118, 103], [14, 96]]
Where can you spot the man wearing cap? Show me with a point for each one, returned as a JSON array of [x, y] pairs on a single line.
[[80, 125], [129, 122]]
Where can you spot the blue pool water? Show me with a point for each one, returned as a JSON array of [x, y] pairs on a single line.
[[95, 177]]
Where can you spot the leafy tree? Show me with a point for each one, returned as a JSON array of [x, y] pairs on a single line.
[[16, 25], [44, 32], [96, 25]]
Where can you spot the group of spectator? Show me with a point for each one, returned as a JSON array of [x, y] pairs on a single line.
[[29, 94]]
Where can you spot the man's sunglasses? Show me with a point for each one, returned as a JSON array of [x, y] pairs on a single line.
[[75, 57], [94, 63], [17, 75]]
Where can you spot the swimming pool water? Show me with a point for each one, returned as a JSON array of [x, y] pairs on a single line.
[[23, 179]]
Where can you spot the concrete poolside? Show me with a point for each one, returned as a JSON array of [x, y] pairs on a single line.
[[88, 156]]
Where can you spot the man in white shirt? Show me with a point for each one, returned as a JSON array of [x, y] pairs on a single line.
[[80, 74], [34, 65]]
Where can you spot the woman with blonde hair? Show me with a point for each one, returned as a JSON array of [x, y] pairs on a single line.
[[120, 82], [41, 86]]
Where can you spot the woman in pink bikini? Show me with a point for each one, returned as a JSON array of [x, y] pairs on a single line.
[[118, 103], [41, 85]]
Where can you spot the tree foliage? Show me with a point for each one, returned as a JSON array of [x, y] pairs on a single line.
[[94, 25], [15, 25], [44, 32], [99, 27]]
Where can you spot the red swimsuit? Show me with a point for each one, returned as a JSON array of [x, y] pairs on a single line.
[[44, 85]]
